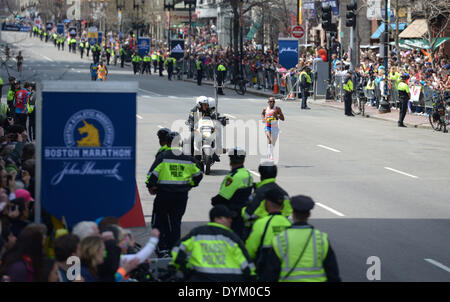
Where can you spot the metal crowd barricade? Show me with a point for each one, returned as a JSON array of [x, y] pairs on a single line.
[[338, 85]]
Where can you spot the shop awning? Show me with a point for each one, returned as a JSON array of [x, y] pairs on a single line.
[[393, 26], [415, 43], [417, 29], [402, 45], [422, 43]]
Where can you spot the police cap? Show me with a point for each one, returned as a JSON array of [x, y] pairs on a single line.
[[267, 169], [173, 135], [302, 203], [219, 211], [164, 134], [275, 196], [236, 154]]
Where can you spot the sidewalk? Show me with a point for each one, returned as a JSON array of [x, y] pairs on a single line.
[[411, 120]]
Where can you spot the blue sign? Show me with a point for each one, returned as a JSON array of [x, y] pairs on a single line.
[[100, 37], [25, 28], [60, 29], [87, 149], [288, 52], [143, 46], [310, 8]]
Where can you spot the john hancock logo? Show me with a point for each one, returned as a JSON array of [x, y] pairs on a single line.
[[88, 139]]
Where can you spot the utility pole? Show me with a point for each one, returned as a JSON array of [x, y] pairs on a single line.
[[351, 22], [384, 104], [169, 7]]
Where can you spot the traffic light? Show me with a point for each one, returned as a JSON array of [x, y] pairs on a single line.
[[351, 15], [326, 18]]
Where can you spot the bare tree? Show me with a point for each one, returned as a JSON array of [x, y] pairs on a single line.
[[437, 15]]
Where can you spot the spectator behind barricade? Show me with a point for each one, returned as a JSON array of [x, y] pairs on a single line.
[[24, 262], [18, 215], [66, 246], [92, 254], [50, 268], [28, 177], [85, 229], [7, 240]]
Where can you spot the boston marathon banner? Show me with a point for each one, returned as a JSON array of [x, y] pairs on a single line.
[[288, 52], [87, 149], [143, 46], [177, 48]]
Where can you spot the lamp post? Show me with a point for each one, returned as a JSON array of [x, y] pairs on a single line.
[[190, 3], [137, 5], [120, 5], [241, 24], [169, 7], [384, 104]]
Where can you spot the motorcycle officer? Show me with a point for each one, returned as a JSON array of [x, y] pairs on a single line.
[[202, 109]]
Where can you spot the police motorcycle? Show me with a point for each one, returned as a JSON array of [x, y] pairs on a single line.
[[207, 135]]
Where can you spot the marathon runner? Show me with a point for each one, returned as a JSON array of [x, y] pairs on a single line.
[[270, 116]]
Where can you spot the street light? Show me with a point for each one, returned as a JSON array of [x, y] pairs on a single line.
[[120, 5], [169, 7], [137, 7], [190, 3]]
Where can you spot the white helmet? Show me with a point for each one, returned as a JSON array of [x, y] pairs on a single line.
[[212, 102], [202, 100]]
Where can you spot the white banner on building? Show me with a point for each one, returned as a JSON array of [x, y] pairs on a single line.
[[374, 9], [74, 10]]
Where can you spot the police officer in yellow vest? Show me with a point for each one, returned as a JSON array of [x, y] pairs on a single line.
[[235, 189], [220, 77], [108, 54], [1, 87], [213, 253], [136, 61], [170, 63], [74, 45], [31, 111], [199, 67], [301, 253], [82, 48], [88, 48], [255, 208], [122, 56], [305, 82], [404, 96], [164, 140], [155, 61], [265, 229], [147, 64], [348, 88], [171, 177]]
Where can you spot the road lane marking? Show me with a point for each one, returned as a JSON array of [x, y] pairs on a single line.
[[330, 209], [160, 127], [400, 172], [440, 265], [254, 173], [328, 148], [150, 92], [230, 116], [139, 117]]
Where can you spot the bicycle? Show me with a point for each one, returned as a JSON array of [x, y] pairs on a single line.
[[439, 116], [240, 85], [359, 101]]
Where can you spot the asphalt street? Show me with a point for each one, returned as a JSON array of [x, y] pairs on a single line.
[[380, 190]]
